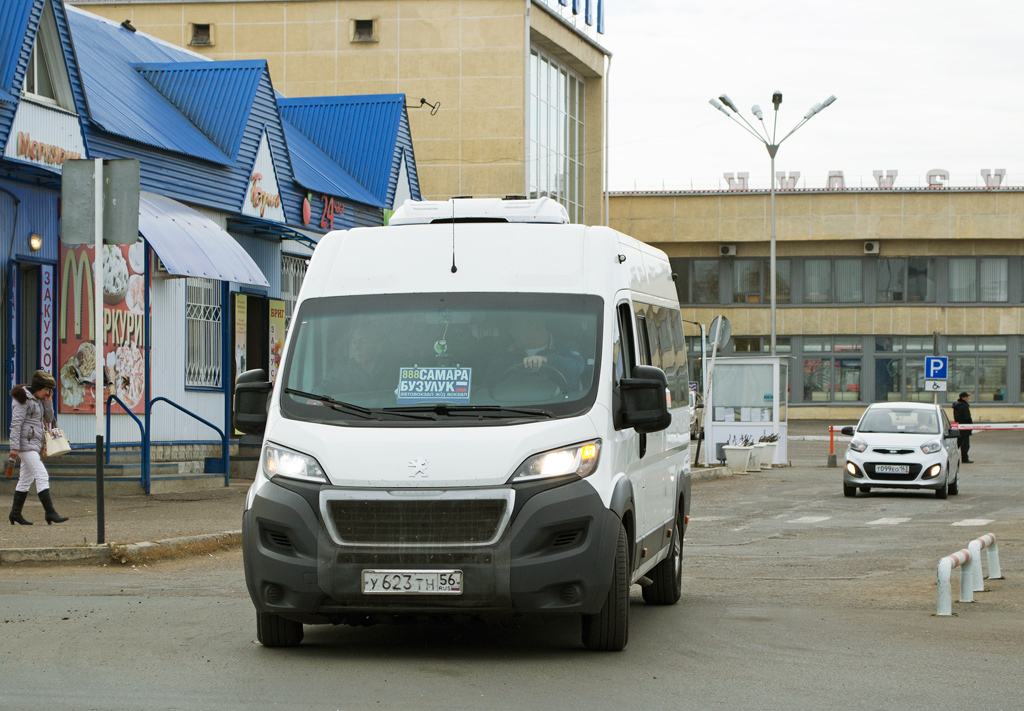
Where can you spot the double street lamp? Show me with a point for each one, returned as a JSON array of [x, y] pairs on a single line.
[[724, 104]]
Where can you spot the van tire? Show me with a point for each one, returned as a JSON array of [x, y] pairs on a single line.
[[608, 630], [276, 631], [667, 576]]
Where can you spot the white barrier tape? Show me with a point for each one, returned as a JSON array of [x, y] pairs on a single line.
[[955, 560], [987, 542]]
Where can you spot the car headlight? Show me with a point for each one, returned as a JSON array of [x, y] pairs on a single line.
[[931, 447], [579, 459], [858, 445], [279, 461]]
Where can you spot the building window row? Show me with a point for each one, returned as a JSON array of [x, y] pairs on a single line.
[[866, 369], [870, 280]]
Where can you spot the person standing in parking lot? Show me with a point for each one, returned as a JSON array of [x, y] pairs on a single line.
[[962, 416]]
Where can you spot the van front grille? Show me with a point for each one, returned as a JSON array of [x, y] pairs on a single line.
[[439, 522]]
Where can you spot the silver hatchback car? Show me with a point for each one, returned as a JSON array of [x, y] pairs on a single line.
[[902, 445]]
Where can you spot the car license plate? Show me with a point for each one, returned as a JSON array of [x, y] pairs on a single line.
[[892, 469], [412, 582]]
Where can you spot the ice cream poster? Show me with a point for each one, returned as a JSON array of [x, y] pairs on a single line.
[[123, 327]]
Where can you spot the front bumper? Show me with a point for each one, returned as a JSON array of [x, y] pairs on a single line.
[[552, 553], [927, 473]]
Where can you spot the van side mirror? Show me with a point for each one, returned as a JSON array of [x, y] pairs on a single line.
[[644, 400], [848, 430], [252, 391]]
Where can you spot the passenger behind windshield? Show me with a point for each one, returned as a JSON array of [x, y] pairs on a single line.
[[366, 366], [534, 347]]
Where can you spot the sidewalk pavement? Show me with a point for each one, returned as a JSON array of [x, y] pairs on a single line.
[[136, 526]]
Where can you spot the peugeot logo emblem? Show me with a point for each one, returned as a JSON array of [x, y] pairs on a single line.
[[419, 467]]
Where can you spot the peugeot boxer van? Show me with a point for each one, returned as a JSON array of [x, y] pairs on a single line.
[[481, 409]]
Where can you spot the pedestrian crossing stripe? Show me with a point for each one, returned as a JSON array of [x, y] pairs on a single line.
[[973, 522], [887, 521], [810, 519]]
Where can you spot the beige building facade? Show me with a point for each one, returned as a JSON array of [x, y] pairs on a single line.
[[869, 283], [514, 89]]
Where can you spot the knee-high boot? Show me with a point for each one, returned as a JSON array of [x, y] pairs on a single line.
[[15, 515], [51, 513]]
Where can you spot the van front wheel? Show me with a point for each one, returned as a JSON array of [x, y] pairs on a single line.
[[276, 631], [667, 576], [608, 630]]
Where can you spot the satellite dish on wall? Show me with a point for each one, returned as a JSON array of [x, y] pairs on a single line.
[[720, 332]]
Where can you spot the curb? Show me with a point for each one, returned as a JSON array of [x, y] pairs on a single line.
[[91, 555], [708, 473]]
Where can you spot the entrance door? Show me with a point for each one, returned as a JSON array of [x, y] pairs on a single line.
[[28, 322]]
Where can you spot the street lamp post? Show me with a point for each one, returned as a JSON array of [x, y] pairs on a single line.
[[772, 145]]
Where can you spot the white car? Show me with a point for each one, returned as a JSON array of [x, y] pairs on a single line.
[[902, 445]]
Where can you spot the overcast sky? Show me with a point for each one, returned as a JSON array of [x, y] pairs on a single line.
[[920, 85]]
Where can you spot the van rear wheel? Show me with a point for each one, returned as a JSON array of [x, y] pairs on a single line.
[[608, 630], [276, 631], [667, 576]]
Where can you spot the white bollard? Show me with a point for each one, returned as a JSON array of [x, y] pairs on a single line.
[[988, 542], [946, 565]]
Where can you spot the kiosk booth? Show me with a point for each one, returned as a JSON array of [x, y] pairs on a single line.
[[742, 403]]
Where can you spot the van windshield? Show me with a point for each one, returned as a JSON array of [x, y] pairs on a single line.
[[447, 359]]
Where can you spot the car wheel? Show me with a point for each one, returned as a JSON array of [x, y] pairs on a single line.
[[667, 576], [954, 488], [943, 491], [276, 631], [608, 630], [849, 490], [865, 489]]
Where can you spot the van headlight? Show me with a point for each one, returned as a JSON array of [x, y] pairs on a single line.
[[858, 445], [279, 461], [579, 459], [931, 447]]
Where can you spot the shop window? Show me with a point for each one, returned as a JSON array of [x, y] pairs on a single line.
[[203, 334], [835, 376], [293, 271]]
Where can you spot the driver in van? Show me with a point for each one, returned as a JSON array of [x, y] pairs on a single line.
[[365, 367], [534, 347]]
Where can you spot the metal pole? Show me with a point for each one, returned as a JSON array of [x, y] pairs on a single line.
[[772, 150], [98, 334]]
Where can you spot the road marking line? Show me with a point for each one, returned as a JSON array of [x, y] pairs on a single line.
[[887, 521], [810, 519], [707, 518], [973, 522]]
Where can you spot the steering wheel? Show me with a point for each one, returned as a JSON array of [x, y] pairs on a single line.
[[548, 372]]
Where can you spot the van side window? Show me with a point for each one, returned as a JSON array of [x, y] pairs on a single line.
[[622, 348], [643, 337]]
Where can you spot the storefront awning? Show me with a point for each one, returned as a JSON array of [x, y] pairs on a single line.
[[191, 244]]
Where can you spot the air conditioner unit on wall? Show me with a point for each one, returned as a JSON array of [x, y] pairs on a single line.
[[727, 250], [872, 248]]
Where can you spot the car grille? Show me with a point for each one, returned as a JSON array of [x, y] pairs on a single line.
[[869, 469], [884, 450], [444, 522]]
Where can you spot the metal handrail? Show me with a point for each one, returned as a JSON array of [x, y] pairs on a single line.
[[218, 430], [142, 430]]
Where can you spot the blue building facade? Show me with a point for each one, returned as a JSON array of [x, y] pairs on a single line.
[[237, 184]]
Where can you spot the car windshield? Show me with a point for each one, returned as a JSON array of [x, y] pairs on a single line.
[[895, 420], [448, 359]]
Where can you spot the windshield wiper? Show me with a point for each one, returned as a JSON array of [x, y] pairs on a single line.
[[472, 410], [348, 408]]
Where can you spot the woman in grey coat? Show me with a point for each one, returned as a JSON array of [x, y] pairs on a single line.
[[31, 407]]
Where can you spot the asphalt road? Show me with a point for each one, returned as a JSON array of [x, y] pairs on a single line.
[[794, 598]]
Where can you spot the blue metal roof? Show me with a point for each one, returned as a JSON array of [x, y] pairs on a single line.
[[121, 101], [191, 244], [316, 171], [358, 132], [215, 96], [18, 23]]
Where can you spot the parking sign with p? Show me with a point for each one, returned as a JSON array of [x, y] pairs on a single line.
[[936, 368]]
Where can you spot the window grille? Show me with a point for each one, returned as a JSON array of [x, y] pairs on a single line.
[[293, 271], [203, 333]]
